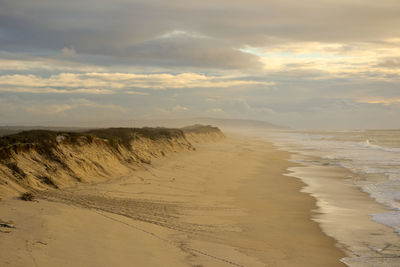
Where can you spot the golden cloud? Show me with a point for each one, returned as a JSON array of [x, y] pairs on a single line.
[[105, 83]]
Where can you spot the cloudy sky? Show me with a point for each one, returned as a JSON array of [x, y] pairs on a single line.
[[304, 64]]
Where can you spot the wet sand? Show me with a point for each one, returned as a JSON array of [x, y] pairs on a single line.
[[226, 204], [346, 214]]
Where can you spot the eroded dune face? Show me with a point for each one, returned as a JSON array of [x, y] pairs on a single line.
[[38, 160]]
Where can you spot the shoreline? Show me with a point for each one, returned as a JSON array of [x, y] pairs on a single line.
[[290, 191], [345, 213], [227, 204]]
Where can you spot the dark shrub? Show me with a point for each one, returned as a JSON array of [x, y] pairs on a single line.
[[27, 196]]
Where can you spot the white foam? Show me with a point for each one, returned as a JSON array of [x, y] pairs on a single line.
[[390, 219], [368, 144], [378, 166]]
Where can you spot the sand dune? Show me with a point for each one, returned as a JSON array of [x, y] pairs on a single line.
[[38, 160]]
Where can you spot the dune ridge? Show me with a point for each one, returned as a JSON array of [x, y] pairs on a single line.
[[42, 159]]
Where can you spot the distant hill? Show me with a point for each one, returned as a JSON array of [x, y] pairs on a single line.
[[7, 130], [223, 124], [239, 123]]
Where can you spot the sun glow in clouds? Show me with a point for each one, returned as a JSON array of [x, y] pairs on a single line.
[[382, 101], [96, 83], [333, 58]]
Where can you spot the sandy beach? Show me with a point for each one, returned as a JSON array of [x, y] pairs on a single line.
[[226, 204]]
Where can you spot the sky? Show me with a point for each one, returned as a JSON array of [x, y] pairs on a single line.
[[331, 64]]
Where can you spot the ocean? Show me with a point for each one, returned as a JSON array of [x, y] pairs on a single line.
[[370, 160]]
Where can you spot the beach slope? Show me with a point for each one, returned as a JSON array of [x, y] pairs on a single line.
[[226, 204]]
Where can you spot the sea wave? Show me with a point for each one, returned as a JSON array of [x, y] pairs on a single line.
[[367, 144], [375, 163]]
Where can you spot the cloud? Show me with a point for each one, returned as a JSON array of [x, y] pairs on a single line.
[[390, 63], [106, 83], [26, 63], [135, 93], [241, 105], [40, 109], [68, 52], [179, 108], [292, 61], [179, 48], [381, 101], [71, 104], [136, 27], [17, 110], [329, 60]]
